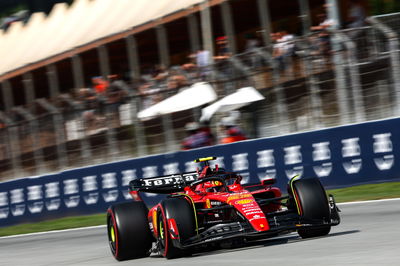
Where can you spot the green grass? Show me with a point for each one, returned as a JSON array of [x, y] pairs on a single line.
[[367, 192], [356, 193], [58, 224]]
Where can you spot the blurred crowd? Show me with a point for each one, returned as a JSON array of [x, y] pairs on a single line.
[[103, 97], [284, 48]]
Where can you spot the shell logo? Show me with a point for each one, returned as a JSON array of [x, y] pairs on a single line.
[[244, 201]]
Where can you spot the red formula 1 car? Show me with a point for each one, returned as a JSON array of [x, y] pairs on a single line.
[[211, 205]]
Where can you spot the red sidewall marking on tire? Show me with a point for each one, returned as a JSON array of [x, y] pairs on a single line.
[[115, 232], [165, 232]]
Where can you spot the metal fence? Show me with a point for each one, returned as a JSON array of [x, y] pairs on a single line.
[[357, 78]]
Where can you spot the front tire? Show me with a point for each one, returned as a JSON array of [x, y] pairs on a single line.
[[182, 212], [312, 204], [129, 234]]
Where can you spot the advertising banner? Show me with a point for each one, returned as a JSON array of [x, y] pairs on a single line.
[[340, 157]]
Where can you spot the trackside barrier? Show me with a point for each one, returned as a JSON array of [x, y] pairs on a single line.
[[340, 156]]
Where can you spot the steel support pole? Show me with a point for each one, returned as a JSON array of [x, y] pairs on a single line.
[[104, 62], [280, 105], [168, 133], [305, 16], [394, 52], [194, 35], [77, 71], [12, 144], [112, 148], [29, 88], [58, 122], [34, 130], [141, 143], [206, 29], [356, 88], [163, 48], [52, 77], [315, 98], [334, 13], [265, 21], [227, 21], [340, 82], [8, 99], [133, 57]]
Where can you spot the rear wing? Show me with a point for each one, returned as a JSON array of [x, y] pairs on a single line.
[[164, 184]]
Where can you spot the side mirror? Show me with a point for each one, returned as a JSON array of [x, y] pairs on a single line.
[[268, 181]]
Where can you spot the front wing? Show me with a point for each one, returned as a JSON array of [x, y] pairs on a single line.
[[280, 222]]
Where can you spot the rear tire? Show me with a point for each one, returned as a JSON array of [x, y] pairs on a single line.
[[128, 230], [313, 204], [182, 212]]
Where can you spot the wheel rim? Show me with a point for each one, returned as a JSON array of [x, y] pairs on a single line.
[[111, 235], [161, 232]]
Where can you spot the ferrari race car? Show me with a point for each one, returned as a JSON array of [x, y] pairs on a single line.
[[210, 206]]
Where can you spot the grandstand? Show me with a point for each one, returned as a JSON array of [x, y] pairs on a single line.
[[51, 121]]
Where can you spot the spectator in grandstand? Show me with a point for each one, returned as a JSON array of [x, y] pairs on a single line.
[[177, 82], [190, 68], [149, 93], [252, 43], [22, 15], [356, 18], [283, 48], [116, 80], [222, 49], [116, 94], [198, 136], [92, 108], [321, 40], [160, 74], [232, 132], [357, 14], [100, 85], [324, 24], [202, 58], [203, 62]]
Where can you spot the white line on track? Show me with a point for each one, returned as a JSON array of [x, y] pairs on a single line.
[[54, 231], [367, 201], [103, 226]]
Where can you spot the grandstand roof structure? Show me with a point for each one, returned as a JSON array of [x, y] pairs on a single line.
[[69, 30]]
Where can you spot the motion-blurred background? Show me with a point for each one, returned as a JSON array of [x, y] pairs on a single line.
[[83, 82]]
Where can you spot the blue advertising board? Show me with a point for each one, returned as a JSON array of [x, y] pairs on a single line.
[[340, 156]]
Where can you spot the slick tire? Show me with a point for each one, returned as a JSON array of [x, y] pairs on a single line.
[[313, 204], [182, 212], [128, 230]]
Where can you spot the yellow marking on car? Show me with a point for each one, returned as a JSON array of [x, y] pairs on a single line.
[[244, 201], [238, 196], [194, 210], [205, 159], [154, 219], [208, 203], [294, 195]]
